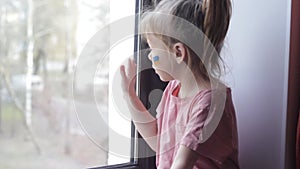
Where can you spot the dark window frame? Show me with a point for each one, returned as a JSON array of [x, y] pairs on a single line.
[[148, 82], [293, 102]]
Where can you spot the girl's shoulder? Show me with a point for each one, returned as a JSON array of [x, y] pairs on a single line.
[[205, 98], [202, 100]]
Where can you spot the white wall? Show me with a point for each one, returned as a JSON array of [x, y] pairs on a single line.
[[257, 52]]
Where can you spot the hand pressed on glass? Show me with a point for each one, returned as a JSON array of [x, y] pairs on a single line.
[[128, 78], [143, 120]]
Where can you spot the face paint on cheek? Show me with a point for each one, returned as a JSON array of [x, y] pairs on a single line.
[[155, 60]]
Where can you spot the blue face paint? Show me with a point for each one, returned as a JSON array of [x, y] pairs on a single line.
[[155, 60]]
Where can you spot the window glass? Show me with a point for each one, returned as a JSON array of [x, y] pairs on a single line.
[[48, 117]]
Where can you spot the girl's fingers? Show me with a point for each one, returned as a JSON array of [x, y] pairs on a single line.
[[128, 76], [132, 68], [133, 64], [122, 71], [129, 64], [124, 80]]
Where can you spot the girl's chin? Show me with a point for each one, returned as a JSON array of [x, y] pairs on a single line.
[[165, 77], [164, 80]]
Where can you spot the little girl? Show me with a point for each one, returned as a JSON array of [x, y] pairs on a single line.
[[178, 133]]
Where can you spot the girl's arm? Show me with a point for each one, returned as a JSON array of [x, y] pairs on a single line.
[[144, 122], [185, 158]]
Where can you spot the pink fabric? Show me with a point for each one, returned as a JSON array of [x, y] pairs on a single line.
[[180, 122]]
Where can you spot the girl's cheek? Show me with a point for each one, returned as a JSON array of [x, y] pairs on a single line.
[[156, 60]]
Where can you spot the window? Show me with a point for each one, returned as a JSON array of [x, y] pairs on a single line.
[[148, 81], [51, 118]]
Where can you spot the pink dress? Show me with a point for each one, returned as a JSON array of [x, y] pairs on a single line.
[[180, 121]]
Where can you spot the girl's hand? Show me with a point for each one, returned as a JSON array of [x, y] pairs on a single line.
[[128, 75], [144, 122]]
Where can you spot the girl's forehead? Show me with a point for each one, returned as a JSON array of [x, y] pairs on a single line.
[[154, 41], [151, 38]]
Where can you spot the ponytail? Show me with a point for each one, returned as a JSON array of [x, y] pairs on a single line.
[[217, 14]]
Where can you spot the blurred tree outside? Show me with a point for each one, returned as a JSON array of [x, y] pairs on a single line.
[[40, 42]]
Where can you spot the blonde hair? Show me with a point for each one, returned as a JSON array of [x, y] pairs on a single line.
[[212, 17]]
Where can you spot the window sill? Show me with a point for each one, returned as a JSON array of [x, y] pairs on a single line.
[[123, 166]]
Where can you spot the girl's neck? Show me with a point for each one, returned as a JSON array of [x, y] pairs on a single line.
[[190, 86]]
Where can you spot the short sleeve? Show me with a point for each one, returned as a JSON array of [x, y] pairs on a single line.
[[193, 130], [218, 146]]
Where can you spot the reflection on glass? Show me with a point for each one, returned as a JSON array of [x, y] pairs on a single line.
[[47, 134]]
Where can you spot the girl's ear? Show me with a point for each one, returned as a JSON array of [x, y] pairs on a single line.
[[180, 52]]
